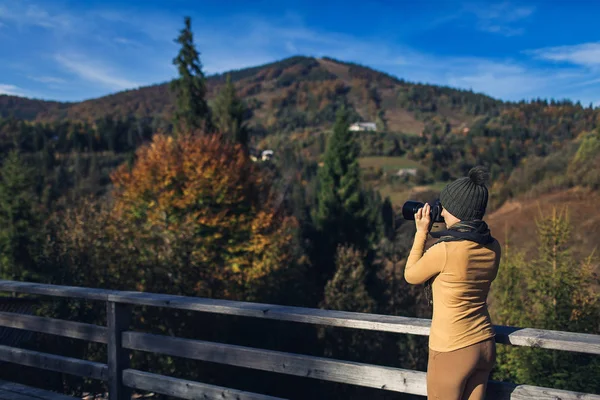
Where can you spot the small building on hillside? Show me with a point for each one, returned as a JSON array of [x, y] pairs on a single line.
[[363, 126], [260, 155], [267, 155], [407, 172]]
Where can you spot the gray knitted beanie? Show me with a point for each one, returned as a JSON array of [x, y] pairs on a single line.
[[466, 198]]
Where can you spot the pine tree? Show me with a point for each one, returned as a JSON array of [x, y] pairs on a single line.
[[192, 110], [230, 114], [343, 216], [341, 203]]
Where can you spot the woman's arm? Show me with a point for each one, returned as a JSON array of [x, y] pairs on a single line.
[[420, 267]]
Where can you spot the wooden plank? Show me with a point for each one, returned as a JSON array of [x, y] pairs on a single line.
[[509, 391], [118, 318], [566, 341], [557, 340], [76, 330], [6, 395], [73, 366], [185, 389], [54, 290], [373, 322], [31, 392], [354, 373], [394, 379]]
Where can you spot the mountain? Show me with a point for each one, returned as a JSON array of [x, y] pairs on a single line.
[[540, 153], [289, 95], [28, 109]]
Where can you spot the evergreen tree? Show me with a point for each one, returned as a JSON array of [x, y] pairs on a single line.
[[19, 221], [343, 216], [230, 114], [192, 110]]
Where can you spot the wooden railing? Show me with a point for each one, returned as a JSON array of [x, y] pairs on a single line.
[[119, 340]]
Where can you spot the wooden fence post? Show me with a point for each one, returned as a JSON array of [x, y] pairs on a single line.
[[118, 318]]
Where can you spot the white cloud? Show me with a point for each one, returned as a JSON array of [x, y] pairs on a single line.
[[502, 12], [499, 18], [10, 90], [586, 54], [502, 30], [158, 27], [42, 18], [499, 79], [127, 42], [27, 14], [46, 79], [94, 72]]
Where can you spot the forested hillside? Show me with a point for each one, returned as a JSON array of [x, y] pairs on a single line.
[[164, 189], [302, 94]]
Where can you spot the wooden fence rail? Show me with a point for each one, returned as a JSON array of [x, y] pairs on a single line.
[[119, 340]]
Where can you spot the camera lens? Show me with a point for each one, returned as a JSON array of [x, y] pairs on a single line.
[[410, 208]]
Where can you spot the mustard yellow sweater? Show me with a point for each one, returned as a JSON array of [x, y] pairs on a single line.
[[464, 271]]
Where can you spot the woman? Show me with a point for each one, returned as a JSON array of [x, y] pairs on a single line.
[[462, 264]]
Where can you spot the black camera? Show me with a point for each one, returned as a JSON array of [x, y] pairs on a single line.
[[410, 208]]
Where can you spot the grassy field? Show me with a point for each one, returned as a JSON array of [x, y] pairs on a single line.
[[388, 164], [437, 186], [398, 197]]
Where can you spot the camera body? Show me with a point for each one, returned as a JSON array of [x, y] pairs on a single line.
[[410, 208]]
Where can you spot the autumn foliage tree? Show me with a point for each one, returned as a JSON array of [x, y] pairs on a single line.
[[203, 213], [193, 215]]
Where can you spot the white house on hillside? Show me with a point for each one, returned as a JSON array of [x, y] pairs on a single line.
[[267, 155], [363, 126], [406, 171]]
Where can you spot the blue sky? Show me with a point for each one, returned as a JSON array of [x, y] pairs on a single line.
[[75, 50]]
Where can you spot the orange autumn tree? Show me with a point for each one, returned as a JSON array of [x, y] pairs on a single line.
[[201, 215]]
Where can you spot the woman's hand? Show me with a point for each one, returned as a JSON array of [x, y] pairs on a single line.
[[423, 218]]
